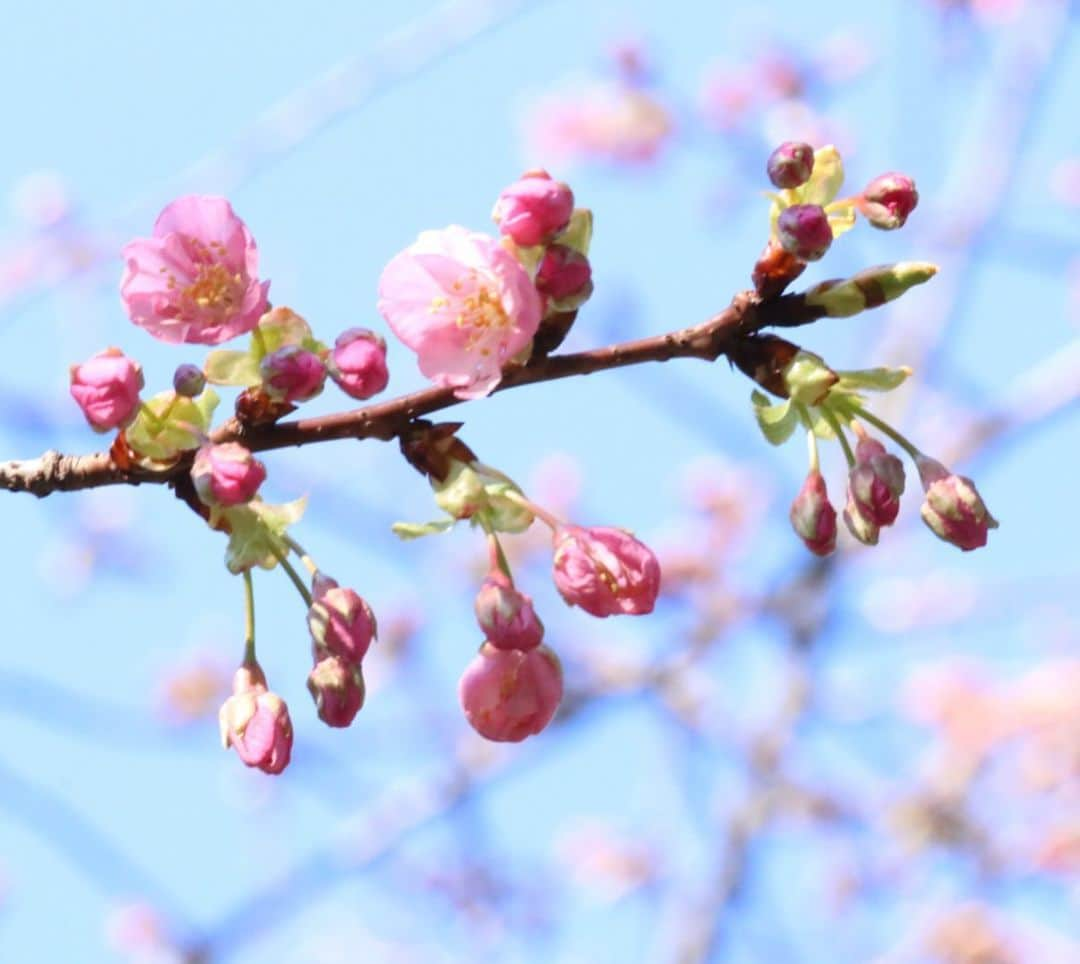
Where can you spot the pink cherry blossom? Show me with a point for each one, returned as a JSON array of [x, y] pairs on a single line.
[[463, 303], [342, 624], [196, 279], [508, 695], [255, 722], [358, 363], [226, 474], [605, 571], [106, 387], [506, 616]]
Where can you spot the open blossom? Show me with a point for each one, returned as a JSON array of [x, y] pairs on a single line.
[[463, 303], [953, 509], [226, 474], [507, 616], [342, 624], [255, 722], [358, 363], [106, 387], [605, 571], [508, 694], [196, 279]]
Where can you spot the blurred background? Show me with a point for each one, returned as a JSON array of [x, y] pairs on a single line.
[[875, 758]]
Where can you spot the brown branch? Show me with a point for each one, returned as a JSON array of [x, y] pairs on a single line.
[[53, 472]]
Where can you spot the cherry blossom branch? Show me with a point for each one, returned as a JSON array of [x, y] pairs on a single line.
[[717, 337]]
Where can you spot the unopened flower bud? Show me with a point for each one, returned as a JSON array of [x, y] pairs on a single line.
[[804, 231], [876, 482], [226, 474], [812, 516], [256, 723], [358, 363], [321, 583], [506, 616], [292, 374], [338, 690], [862, 528], [188, 380], [953, 508], [605, 571], [565, 277], [106, 387], [341, 624], [533, 209], [887, 200], [508, 695], [791, 164]]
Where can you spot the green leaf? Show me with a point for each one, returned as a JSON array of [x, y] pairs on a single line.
[[225, 367], [776, 422], [416, 530]]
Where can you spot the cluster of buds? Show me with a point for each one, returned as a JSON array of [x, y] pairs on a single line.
[[513, 687], [469, 304]]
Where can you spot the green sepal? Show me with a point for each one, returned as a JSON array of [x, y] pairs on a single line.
[[238, 368], [257, 533], [776, 421], [417, 530], [184, 428], [578, 233], [873, 379]]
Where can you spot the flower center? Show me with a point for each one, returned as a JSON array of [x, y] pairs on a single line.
[[484, 315], [214, 288]]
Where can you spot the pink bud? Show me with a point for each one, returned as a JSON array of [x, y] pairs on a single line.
[[506, 616], [292, 374], [953, 508], [188, 380], [358, 363], [791, 164], [341, 624], [812, 516], [320, 583], [226, 474], [256, 722], [338, 690], [804, 232], [887, 200], [865, 530], [565, 276], [106, 387], [534, 208], [876, 482], [605, 571], [508, 694]]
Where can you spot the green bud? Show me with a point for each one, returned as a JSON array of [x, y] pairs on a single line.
[[869, 288]]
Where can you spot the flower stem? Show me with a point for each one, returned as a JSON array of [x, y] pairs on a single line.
[[291, 572], [834, 424], [551, 521], [497, 557], [249, 619], [812, 447], [308, 562], [883, 426]]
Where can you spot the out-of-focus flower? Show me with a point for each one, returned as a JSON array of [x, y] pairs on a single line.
[[508, 695], [193, 690], [358, 363], [106, 387], [195, 279], [226, 474], [255, 722], [611, 864], [136, 931], [605, 571], [464, 304], [970, 934], [534, 208]]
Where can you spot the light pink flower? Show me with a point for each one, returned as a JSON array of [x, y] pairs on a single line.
[[463, 303], [534, 208], [292, 374], [358, 363], [506, 616], [341, 624], [812, 516], [255, 722], [508, 695], [106, 387], [226, 474], [196, 279], [338, 690], [605, 571]]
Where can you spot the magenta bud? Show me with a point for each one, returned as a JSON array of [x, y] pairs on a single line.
[[188, 380], [791, 164], [887, 200], [533, 209], [226, 474], [508, 695], [338, 690], [865, 530], [812, 516], [953, 508], [341, 624], [876, 482], [605, 571], [255, 722], [804, 231], [106, 387], [565, 276], [358, 363], [320, 583], [292, 374], [506, 616]]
